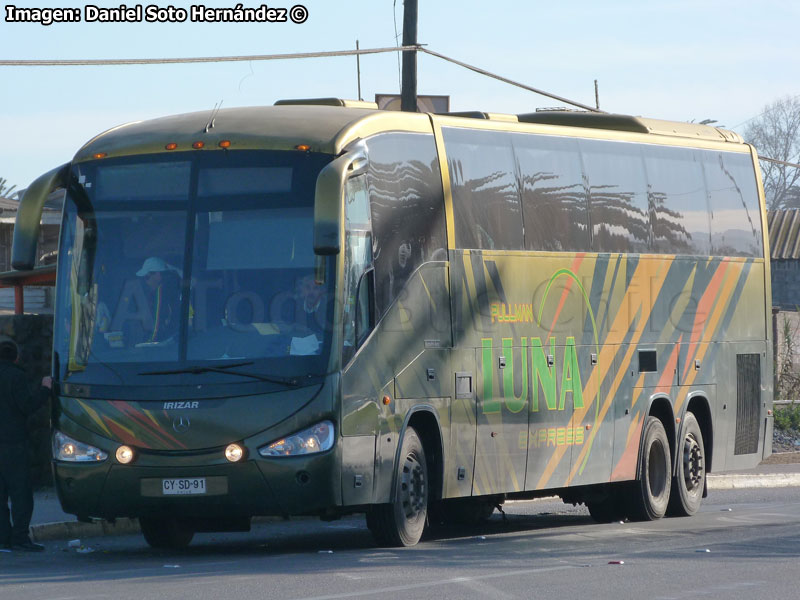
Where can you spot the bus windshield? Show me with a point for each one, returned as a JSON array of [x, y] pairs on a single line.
[[188, 260]]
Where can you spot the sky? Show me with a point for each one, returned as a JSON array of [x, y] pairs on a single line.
[[684, 60]]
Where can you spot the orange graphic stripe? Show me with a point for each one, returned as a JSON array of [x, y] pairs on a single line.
[[703, 309], [657, 282], [667, 380], [157, 432], [565, 294], [720, 307], [631, 304], [626, 467]]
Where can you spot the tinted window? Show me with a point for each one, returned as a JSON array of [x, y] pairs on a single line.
[[407, 206], [677, 195], [617, 189], [553, 195], [733, 199], [486, 199]]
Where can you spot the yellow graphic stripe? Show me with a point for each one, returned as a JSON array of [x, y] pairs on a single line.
[[95, 417], [721, 304], [631, 306]]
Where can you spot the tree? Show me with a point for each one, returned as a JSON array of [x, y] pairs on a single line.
[[776, 134], [5, 191]]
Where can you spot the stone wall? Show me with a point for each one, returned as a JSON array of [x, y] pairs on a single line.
[[34, 336]]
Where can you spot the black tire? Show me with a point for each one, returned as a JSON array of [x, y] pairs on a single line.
[[690, 475], [401, 522], [611, 508], [650, 494], [166, 533]]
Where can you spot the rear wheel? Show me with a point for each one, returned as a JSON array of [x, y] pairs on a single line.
[[650, 494], [401, 522], [166, 533], [690, 477]]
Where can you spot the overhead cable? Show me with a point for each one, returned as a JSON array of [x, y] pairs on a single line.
[[510, 81], [188, 60], [264, 57]]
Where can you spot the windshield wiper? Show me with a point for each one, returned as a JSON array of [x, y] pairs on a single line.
[[288, 381]]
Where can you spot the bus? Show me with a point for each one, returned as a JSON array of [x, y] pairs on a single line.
[[322, 308]]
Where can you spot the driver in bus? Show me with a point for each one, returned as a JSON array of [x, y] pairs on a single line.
[[310, 314], [161, 297]]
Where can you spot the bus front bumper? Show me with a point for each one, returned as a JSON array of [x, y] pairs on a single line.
[[283, 486]]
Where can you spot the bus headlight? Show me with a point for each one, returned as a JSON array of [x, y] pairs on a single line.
[[125, 455], [318, 438], [69, 450], [234, 453]]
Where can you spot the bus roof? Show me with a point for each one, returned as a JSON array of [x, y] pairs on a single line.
[[328, 125], [326, 129]]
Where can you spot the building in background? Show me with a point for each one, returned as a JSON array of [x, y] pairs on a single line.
[[38, 299]]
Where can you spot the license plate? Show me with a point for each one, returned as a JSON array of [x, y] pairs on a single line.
[[183, 486]]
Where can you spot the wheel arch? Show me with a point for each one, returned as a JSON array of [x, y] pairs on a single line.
[[425, 421], [698, 405], [662, 409]]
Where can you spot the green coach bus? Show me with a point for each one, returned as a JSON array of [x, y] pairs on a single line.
[[322, 308]]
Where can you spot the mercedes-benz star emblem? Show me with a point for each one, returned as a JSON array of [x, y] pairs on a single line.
[[181, 424]]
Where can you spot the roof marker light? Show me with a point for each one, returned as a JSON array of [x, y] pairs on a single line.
[[171, 146], [100, 155], [302, 147], [225, 144], [198, 145]]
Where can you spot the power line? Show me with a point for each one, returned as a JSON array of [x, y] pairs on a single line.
[[759, 115], [265, 57], [510, 81], [779, 162], [206, 59]]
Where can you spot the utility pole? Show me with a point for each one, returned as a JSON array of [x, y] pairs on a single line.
[[408, 92], [358, 70], [596, 95]]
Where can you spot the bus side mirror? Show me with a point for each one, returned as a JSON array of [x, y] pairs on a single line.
[[329, 201], [29, 215]]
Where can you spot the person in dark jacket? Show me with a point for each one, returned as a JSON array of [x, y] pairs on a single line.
[[17, 403]]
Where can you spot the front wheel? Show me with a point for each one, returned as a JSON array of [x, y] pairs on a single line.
[[651, 489], [401, 522], [690, 477], [166, 533]]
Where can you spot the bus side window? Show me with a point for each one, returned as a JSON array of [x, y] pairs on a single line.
[[359, 293]]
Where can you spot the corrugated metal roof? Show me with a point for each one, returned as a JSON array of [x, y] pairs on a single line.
[[784, 233]]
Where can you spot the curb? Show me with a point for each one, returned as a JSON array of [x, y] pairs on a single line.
[[742, 482], [67, 530]]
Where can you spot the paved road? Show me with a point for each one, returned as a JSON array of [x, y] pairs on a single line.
[[543, 550]]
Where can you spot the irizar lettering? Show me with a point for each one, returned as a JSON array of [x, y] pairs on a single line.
[[548, 378], [178, 405]]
